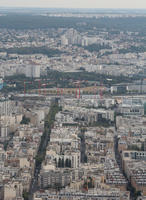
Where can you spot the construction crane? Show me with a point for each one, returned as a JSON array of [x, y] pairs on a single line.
[[78, 89]]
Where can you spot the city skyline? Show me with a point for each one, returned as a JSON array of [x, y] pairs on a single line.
[[72, 100], [141, 4]]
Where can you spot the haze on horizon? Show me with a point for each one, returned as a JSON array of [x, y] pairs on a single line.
[[121, 4]]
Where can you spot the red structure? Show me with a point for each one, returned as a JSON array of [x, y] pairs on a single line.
[[61, 92], [78, 89], [58, 92]]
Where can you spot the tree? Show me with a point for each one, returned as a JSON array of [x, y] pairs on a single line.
[[59, 163], [96, 47], [145, 108], [25, 195], [66, 162], [55, 162], [134, 147], [38, 159], [62, 163], [90, 182], [25, 120], [85, 159], [69, 163], [142, 147]]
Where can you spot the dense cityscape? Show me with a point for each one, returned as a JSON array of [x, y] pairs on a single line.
[[73, 105]]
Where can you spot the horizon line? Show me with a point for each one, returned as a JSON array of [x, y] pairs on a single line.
[[31, 7]]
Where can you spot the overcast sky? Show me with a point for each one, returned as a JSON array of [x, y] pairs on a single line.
[[75, 3]]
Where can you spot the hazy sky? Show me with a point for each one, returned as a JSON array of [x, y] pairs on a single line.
[[75, 3]]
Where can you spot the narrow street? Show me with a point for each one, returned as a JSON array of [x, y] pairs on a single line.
[[49, 120], [119, 162]]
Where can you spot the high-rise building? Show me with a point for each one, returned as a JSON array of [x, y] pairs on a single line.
[[32, 71], [6, 107], [64, 41]]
